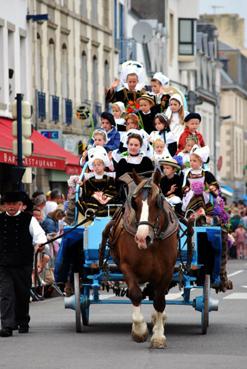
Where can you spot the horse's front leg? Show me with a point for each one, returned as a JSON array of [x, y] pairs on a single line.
[[158, 339], [139, 330]]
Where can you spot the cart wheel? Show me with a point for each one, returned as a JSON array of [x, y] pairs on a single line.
[[85, 315], [78, 325], [85, 306], [205, 309]]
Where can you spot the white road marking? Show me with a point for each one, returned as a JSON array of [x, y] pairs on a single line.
[[170, 296], [236, 296], [104, 297], [173, 296], [235, 273]]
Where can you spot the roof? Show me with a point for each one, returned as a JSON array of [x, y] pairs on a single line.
[[46, 154]]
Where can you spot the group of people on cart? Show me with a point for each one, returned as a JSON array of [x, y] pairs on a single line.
[[149, 129]]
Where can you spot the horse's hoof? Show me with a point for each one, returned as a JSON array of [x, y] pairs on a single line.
[[139, 338], [158, 343]]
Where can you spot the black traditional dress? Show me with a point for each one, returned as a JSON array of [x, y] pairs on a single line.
[[139, 163], [97, 193], [197, 181]]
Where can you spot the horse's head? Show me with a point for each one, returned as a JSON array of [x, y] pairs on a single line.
[[147, 203]]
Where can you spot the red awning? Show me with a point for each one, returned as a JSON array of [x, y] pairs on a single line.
[[46, 154]]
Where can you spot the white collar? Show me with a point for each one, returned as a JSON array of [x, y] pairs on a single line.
[[99, 176], [146, 113], [196, 171], [134, 159], [15, 215]]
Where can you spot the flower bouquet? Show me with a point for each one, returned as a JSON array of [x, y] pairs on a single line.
[[132, 107]]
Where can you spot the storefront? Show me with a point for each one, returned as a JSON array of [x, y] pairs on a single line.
[[50, 162]]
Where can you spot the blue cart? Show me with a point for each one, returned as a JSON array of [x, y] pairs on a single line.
[[89, 279]]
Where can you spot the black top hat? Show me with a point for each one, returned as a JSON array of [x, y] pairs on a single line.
[[12, 197]]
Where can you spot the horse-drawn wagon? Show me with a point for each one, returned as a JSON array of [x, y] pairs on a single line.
[[184, 257]]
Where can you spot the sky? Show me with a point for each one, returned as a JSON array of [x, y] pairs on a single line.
[[225, 6]]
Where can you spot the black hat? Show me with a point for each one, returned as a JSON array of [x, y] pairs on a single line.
[[109, 117], [192, 116], [12, 197]]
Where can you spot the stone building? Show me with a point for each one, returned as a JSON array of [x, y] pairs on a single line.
[[233, 102], [72, 56], [60, 55]]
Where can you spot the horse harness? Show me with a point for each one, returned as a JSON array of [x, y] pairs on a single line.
[[126, 218]]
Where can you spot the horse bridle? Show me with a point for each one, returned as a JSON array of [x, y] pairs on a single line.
[[147, 186]]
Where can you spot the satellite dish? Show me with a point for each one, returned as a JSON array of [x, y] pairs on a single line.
[[142, 32]]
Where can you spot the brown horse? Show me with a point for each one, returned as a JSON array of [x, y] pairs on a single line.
[[143, 242]]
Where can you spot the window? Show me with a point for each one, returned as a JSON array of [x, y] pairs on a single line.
[[94, 10], [83, 8], [68, 107], [39, 64], [84, 77], [23, 65], [11, 64], [41, 105], [171, 38], [95, 79], [51, 67], [186, 36], [106, 13], [106, 74], [115, 23], [64, 72]]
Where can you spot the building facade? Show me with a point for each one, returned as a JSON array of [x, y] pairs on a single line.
[[72, 63], [234, 128], [60, 55], [72, 59], [14, 56]]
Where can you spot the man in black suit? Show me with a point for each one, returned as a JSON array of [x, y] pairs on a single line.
[[20, 233]]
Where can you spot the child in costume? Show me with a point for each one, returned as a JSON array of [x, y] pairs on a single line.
[[196, 181], [134, 158], [99, 188], [162, 131], [132, 126], [108, 124], [191, 141], [146, 112], [158, 81], [99, 138], [176, 115], [171, 182], [118, 111], [131, 80], [192, 122], [219, 212], [160, 151]]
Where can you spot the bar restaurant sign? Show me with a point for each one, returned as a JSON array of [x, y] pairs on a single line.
[[33, 161]]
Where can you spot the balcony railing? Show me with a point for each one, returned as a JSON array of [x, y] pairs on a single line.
[[41, 105], [54, 108], [67, 111]]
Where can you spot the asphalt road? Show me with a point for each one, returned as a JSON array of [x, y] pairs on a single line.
[[53, 344]]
